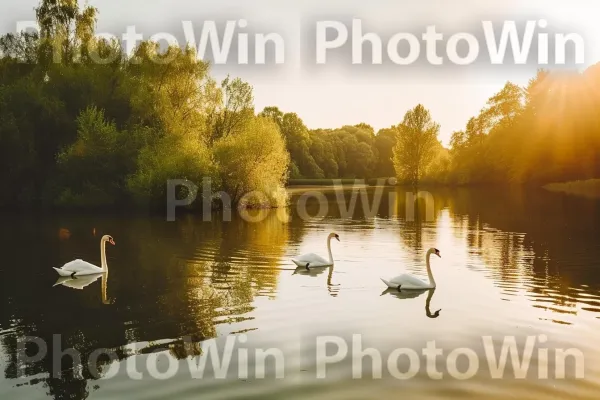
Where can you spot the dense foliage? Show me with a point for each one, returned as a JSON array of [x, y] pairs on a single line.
[[82, 124], [546, 132], [416, 145], [347, 152]]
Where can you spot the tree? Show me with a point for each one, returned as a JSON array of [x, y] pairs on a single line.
[[415, 147], [385, 141], [234, 109], [273, 113], [171, 157], [66, 29], [505, 106], [323, 153], [253, 160], [298, 143], [366, 127], [101, 153]]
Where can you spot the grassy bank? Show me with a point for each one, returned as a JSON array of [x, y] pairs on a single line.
[[331, 182], [587, 188]]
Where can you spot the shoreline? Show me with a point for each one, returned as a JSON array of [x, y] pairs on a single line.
[[588, 188]]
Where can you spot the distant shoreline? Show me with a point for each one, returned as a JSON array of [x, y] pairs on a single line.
[[589, 188]]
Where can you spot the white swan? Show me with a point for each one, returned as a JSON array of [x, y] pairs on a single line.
[[314, 260], [406, 281], [80, 267]]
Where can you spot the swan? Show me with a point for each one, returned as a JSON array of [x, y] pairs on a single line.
[[406, 281], [314, 260], [80, 267]]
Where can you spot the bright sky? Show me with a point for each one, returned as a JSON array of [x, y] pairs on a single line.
[[339, 93]]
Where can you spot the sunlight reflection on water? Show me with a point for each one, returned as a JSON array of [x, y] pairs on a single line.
[[512, 265]]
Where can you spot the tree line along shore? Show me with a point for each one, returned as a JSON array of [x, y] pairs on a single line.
[[101, 129]]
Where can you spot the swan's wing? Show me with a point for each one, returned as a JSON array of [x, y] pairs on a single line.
[[408, 280], [312, 258], [80, 266], [62, 273]]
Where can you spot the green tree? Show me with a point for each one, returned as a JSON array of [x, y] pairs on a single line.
[[323, 152], [254, 160], [66, 30], [273, 113], [234, 109], [384, 142], [416, 145], [171, 157], [486, 150], [298, 143], [103, 156]]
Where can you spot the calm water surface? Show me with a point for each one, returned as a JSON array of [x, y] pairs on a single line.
[[514, 264]]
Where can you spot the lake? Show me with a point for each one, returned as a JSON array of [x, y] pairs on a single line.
[[517, 267]]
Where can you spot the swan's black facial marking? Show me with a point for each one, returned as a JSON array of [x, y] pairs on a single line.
[[337, 237], [437, 253]]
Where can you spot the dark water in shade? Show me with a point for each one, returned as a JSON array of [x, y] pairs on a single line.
[[515, 264]]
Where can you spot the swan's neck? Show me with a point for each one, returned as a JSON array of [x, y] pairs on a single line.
[[329, 250], [103, 255], [429, 274]]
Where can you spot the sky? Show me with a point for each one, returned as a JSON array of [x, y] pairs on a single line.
[[340, 93]]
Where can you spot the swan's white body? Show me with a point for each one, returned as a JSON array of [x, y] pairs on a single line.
[[406, 281], [315, 260], [79, 267]]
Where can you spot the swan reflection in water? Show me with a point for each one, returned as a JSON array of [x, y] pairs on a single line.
[[80, 282], [310, 272], [412, 294], [333, 288]]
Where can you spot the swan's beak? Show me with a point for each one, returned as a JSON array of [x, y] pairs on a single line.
[[112, 242]]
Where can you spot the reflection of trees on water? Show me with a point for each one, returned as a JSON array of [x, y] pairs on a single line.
[[167, 280], [544, 240], [549, 239], [170, 280], [421, 212]]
